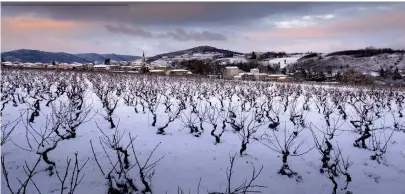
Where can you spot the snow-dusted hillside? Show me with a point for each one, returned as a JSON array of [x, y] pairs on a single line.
[[365, 64], [285, 61], [232, 60], [200, 52], [199, 56], [160, 62]]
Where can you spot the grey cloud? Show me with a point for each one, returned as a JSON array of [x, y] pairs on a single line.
[[122, 29], [177, 34], [182, 35], [173, 13]]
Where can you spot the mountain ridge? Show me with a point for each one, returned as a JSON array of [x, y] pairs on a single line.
[[31, 55], [28, 55]]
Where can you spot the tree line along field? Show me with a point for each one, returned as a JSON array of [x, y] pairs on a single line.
[[94, 132]]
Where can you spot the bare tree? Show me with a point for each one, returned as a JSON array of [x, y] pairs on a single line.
[[307, 101], [119, 175], [173, 113], [202, 112], [150, 96], [30, 172], [41, 140], [248, 126], [333, 163], [146, 170], [289, 147], [75, 177], [190, 121], [364, 123], [69, 115], [212, 118], [296, 114], [379, 144], [248, 186], [272, 113], [7, 128], [108, 94], [330, 131]]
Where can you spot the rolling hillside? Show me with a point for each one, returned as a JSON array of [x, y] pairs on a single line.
[[362, 60], [199, 51]]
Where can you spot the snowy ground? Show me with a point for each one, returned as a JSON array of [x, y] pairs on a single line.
[[160, 62], [232, 60], [187, 158], [285, 61]]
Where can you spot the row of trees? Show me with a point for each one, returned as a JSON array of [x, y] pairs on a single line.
[[392, 74], [367, 52]]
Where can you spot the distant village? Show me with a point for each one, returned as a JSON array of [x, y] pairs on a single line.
[[143, 67], [109, 66], [280, 67]]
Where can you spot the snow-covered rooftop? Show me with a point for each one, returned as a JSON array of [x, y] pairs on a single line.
[[156, 70], [100, 66], [8, 63], [179, 70], [277, 75]]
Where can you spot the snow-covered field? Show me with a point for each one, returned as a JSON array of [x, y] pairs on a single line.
[[144, 134], [232, 60]]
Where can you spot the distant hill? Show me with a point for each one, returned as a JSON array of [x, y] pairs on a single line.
[[26, 55], [364, 60], [116, 57], [101, 57], [91, 57], [308, 56], [194, 50], [368, 52]]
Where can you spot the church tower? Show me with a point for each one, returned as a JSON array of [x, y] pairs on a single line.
[[144, 67], [143, 59]]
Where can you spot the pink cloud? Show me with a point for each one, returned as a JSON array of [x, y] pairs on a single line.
[[366, 24], [44, 34], [29, 23]]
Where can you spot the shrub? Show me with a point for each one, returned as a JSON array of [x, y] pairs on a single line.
[[355, 77]]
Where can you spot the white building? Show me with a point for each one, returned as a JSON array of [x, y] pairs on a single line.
[[254, 71], [180, 72], [100, 67], [230, 72]]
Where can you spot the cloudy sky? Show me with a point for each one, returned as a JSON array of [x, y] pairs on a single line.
[[129, 28]]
